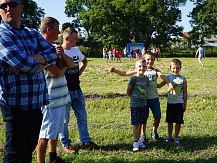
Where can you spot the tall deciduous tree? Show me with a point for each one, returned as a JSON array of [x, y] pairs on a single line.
[[204, 20], [116, 22], [32, 14]]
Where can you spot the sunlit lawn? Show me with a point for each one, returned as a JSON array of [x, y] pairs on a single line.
[[109, 118]]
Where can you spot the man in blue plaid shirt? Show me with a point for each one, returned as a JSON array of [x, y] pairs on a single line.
[[23, 91]]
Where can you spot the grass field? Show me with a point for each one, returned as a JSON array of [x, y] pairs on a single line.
[[109, 118]]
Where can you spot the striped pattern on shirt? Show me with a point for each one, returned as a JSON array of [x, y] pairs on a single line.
[[57, 91]]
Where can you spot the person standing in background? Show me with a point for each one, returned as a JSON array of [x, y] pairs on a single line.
[[125, 53], [118, 55], [143, 52], [158, 54], [104, 52], [200, 53]]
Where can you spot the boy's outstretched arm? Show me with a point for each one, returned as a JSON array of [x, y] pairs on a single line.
[[122, 73], [161, 84], [185, 95], [164, 78]]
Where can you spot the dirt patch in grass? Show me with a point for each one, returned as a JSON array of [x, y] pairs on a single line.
[[110, 96], [119, 95]]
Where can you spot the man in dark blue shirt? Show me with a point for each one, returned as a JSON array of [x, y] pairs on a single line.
[[23, 91]]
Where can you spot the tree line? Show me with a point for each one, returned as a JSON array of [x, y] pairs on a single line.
[[113, 23]]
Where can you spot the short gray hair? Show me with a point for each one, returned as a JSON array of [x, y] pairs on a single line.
[[47, 22]]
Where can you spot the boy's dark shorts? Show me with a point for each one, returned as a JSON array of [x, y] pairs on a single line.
[[174, 113], [139, 115]]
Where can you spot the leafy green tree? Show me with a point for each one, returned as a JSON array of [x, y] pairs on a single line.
[[32, 14], [204, 19], [116, 22]]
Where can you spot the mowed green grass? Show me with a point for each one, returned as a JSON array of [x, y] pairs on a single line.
[[109, 116]]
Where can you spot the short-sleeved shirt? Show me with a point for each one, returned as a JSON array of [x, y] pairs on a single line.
[[72, 74], [28, 89], [177, 95], [152, 88], [201, 52], [139, 86]]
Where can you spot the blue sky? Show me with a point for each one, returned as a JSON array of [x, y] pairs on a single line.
[[55, 8]]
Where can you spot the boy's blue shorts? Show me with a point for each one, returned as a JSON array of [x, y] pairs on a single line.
[[154, 105], [139, 115]]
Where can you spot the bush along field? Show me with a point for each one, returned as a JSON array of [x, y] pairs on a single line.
[[109, 117]]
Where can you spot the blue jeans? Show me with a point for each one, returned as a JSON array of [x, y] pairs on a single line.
[[22, 130], [78, 105]]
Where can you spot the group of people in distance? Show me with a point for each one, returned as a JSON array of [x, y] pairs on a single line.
[[39, 83], [111, 54], [142, 89], [115, 53]]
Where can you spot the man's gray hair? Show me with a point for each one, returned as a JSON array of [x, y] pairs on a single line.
[[47, 22]]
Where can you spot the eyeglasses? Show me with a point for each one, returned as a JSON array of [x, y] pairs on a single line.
[[4, 6]]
